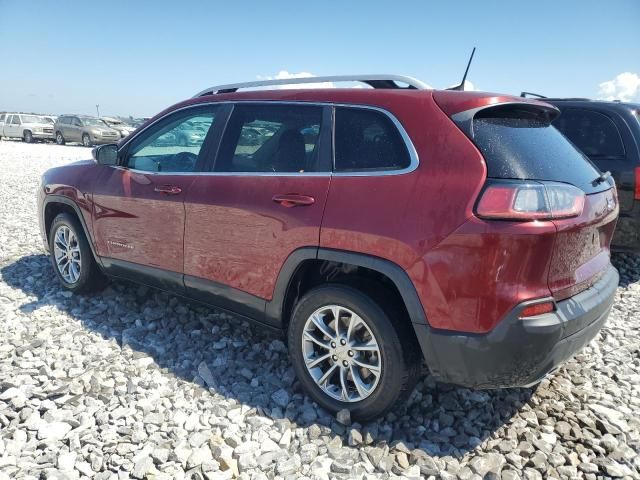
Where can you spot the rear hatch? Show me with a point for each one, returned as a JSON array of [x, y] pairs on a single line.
[[519, 144]]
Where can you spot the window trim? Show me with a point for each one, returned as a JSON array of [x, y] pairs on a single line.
[[216, 141]]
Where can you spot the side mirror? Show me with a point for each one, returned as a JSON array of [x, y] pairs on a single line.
[[106, 154]]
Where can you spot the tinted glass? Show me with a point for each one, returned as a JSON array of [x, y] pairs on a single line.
[[592, 132], [367, 140], [519, 146], [15, 120], [174, 146], [271, 138], [2, 118]]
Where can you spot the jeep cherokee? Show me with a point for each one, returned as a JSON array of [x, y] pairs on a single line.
[[382, 229]]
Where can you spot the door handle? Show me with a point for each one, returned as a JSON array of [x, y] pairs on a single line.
[[294, 200], [168, 189]]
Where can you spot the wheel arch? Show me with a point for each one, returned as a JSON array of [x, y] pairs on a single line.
[[56, 204], [307, 268]]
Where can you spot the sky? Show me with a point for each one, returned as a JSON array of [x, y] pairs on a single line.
[[136, 58]]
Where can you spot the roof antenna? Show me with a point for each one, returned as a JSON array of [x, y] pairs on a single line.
[[464, 77]]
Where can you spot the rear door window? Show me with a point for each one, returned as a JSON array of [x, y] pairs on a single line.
[[522, 144], [367, 140], [592, 132], [272, 138]]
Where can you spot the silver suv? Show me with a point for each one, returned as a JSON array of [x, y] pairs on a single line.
[[26, 127], [84, 129]]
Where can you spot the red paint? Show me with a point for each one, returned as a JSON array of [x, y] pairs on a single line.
[[238, 230], [235, 234]]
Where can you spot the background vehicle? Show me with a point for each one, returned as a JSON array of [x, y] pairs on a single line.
[[84, 129], [609, 134], [376, 244], [123, 128], [25, 126]]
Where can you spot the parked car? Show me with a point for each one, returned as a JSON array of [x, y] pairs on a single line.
[[609, 134], [25, 126], [457, 230], [123, 128], [84, 129]]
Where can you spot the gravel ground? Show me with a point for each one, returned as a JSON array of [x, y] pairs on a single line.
[[136, 383]]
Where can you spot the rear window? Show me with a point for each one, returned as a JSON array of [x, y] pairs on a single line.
[[522, 144]]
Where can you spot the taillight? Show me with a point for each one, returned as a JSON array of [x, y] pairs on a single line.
[[637, 191], [527, 200]]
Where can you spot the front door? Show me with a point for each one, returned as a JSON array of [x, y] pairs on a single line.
[[264, 199], [139, 205]]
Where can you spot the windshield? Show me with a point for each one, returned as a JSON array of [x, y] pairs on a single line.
[[49, 120], [530, 148], [31, 119], [93, 122], [116, 123]]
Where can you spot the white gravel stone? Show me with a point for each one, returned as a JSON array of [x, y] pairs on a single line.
[[135, 383]]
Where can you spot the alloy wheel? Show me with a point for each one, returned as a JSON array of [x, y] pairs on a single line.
[[66, 250], [341, 353]]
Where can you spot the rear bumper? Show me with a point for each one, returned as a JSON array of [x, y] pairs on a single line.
[[519, 352]]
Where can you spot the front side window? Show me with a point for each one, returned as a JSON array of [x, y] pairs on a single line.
[[2, 117], [271, 138], [592, 132], [367, 140], [15, 120], [77, 122], [175, 144]]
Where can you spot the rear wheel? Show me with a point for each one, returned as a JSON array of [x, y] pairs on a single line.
[[347, 353], [27, 136], [72, 257], [59, 138], [86, 140]]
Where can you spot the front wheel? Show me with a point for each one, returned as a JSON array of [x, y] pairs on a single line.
[[71, 255], [59, 138], [86, 140], [347, 353], [27, 136]]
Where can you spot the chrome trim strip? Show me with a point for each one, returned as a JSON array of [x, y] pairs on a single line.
[[365, 78], [413, 153]]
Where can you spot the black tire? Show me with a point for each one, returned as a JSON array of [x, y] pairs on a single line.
[[90, 278], [86, 140], [398, 375], [59, 138], [27, 136]]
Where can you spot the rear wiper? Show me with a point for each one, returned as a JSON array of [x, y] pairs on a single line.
[[603, 177]]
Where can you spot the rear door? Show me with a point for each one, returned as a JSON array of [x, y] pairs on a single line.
[[14, 126], [264, 199], [600, 136], [139, 205]]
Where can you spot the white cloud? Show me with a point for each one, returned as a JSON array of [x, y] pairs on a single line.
[[625, 87], [283, 75]]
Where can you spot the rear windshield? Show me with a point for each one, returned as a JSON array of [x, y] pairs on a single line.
[[519, 144]]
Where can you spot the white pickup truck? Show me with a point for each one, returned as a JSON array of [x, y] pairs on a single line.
[[25, 126]]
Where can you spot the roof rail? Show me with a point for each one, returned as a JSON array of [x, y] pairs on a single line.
[[375, 81]]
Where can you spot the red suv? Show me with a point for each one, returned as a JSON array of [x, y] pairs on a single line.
[[381, 228]]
